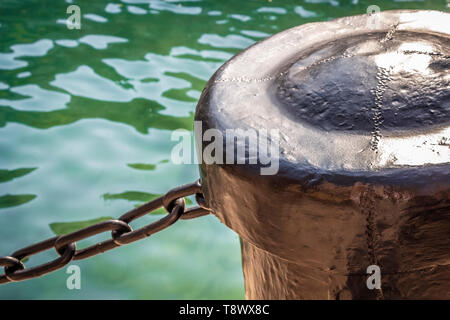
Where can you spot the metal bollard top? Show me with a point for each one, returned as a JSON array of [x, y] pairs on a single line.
[[353, 99], [362, 107]]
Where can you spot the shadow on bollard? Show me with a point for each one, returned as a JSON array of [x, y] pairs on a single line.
[[326, 148]]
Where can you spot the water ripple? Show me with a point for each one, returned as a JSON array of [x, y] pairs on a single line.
[[39, 48]]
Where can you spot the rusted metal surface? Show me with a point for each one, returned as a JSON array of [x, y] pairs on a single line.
[[364, 164], [121, 233]]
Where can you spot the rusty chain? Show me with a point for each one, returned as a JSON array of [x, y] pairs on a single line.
[[121, 233]]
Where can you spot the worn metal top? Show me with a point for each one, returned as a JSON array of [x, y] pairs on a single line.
[[357, 96]]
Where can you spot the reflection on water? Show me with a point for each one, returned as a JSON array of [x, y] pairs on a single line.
[[9, 200], [12, 200], [8, 175], [60, 228], [86, 118]]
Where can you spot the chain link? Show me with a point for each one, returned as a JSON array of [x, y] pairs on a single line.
[[121, 233]]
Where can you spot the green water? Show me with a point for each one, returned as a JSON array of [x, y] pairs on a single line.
[[85, 123]]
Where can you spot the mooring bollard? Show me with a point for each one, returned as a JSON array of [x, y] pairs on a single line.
[[353, 199]]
